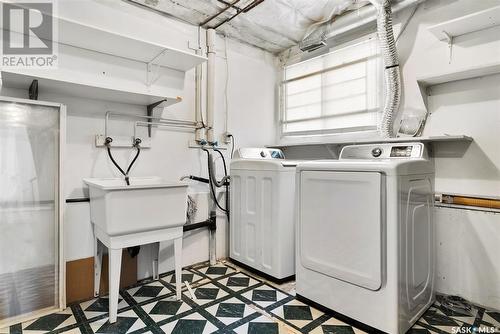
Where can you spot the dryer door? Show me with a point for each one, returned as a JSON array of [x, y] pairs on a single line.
[[340, 225]]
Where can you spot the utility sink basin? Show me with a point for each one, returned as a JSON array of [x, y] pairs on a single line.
[[148, 203]]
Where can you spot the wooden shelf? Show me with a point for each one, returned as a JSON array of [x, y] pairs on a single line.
[[89, 90], [481, 20], [431, 139]]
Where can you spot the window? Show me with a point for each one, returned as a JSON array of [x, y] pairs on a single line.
[[333, 93]]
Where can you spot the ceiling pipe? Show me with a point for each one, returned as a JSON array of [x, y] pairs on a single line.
[[347, 23], [229, 5], [361, 17], [246, 9]]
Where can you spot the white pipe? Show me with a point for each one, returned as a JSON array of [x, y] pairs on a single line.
[[210, 84], [200, 133]]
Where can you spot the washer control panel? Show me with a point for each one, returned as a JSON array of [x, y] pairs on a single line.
[[260, 153], [384, 151]]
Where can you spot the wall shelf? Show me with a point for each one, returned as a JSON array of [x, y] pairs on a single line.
[[84, 36], [467, 73], [431, 139], [459, 26], [83, 89]]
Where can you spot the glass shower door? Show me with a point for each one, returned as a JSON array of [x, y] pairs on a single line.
[[30, 243]]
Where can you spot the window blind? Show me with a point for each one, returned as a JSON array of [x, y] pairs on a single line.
[[337, 92]]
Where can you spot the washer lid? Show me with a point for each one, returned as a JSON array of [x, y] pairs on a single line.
[[264, 164], [261, 159]]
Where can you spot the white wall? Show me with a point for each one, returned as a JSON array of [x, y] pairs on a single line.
[[251, 74], [470, 107], [467, 257]]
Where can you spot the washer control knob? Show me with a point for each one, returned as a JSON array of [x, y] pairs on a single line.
[[376, 152], [263, 154]]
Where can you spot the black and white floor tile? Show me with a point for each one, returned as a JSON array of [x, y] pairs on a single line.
[[165, 309], [262, 325], [238, 281], [225, 300], [98, 307], [336, 326], [194, 323], [187, 276], [49, 323], [230, 310], [298, 314], [265, 296], [206, 293], [127, 322], [148, 291], [216, 271]]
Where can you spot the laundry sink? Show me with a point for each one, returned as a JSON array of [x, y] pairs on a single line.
[[148, 203]]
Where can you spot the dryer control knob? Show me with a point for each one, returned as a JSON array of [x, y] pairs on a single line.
[[263, 154], [376, 152]]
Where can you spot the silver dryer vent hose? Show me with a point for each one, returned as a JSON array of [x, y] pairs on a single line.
[[392, 73]]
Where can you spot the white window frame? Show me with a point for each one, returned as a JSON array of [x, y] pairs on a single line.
[[354, 130]]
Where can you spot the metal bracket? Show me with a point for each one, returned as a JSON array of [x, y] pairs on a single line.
[[149, 109], [33, 90], [153, 66], [449, 39]]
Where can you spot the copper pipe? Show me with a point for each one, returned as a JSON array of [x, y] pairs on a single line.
[[471, 201], [254, 4], [229, 5]]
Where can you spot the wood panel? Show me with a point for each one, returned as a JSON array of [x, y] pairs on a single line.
[[80, 277]]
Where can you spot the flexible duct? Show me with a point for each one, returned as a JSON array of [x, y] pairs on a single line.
[[391, 67]]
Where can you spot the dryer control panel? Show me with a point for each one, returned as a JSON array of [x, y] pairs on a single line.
[[384, 151], [259, 153]]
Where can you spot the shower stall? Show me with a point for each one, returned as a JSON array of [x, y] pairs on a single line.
[[31, 250]]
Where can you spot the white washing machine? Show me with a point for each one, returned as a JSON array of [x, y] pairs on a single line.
[[262, 205], [365, 234]]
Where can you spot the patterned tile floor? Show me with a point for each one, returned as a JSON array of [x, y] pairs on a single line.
[[228, 300]]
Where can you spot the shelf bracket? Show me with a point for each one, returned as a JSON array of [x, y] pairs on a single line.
[[448, 38], [152, 67], [149, 109], [33, 90]]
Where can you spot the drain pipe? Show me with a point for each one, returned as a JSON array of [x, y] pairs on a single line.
[[210, 85], [391, 67]]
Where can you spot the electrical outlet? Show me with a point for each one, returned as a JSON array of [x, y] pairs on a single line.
[[226, 137]]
